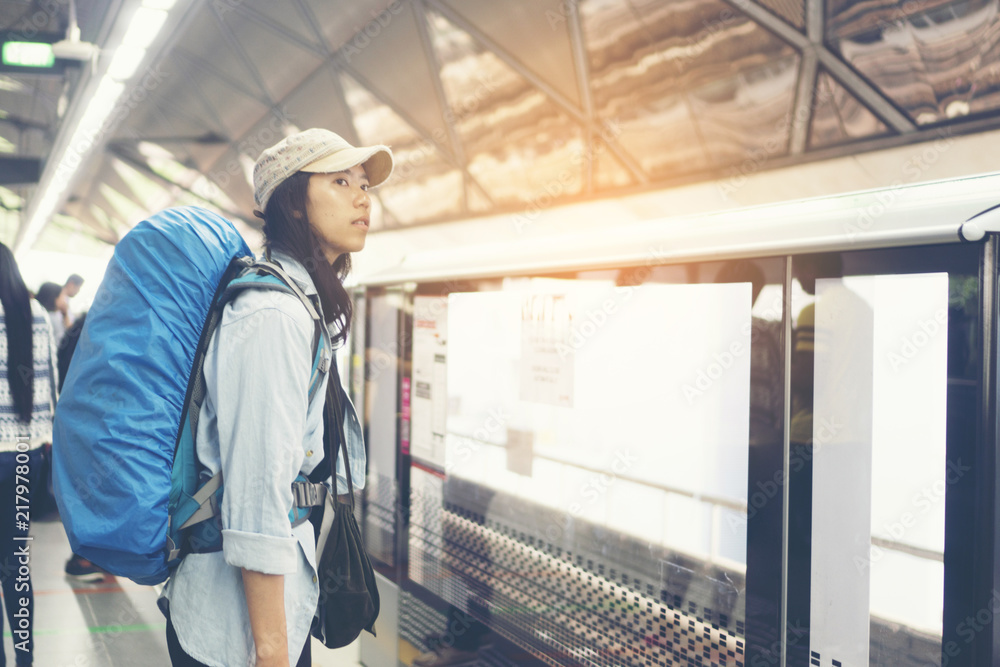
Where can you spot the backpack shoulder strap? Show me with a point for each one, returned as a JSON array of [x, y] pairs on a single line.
[[204, 503], [270, 275]]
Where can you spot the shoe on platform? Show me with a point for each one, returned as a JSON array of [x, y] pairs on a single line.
[[81, 569], [447, 657]]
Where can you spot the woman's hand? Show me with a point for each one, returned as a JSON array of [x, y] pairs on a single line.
[[266, 604]]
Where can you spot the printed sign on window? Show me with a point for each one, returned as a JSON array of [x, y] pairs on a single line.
[[547, 357]]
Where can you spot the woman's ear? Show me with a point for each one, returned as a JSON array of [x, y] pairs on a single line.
[[297, 214]]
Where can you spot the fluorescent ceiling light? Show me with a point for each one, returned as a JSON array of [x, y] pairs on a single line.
[[125, 62], [145, 26], [100, 106]]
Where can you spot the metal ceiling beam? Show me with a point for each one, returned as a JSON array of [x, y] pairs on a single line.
[[582, 68], [110, 221], [815, 20], [880, 105], [802, 107], [99, 231], [159, 111], [426, 43], [208, 68], [310, 19], [568, 106], [142, 166], [868, 95], [331, 69], [450, 157], [806, 86], [206, 106], [507, 58], [341, 63], [328, 65], [241, 54], [176, 111], [279, 30], [25, 124]]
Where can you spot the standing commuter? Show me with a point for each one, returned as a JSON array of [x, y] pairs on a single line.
[[253, 602], [50, 295], [27, 401], [69, 290]]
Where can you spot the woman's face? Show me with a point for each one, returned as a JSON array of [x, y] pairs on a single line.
[[339, 209]]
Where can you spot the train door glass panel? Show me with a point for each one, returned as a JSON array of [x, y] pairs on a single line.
[[598, 437], [381, 410], [871, 353], [599, 398], [353, 367]]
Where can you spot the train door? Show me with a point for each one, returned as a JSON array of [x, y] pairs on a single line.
[[883, 531], [379, 360]]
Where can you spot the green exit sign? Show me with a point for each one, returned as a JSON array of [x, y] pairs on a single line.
[[27, 54]]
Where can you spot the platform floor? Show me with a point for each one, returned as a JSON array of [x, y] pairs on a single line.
[[110, 623]]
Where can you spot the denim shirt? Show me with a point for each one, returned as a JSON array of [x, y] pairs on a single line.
[[258, 427]]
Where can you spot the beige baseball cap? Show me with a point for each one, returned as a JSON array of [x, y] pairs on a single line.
[[316, 151]]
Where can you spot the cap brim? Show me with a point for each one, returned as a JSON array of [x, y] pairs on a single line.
[[376, 160]]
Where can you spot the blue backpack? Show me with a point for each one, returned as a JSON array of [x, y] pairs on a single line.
[[131, 492]]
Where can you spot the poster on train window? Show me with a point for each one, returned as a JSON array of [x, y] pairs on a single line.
[[428, 389], [659, 414], [546, 354]]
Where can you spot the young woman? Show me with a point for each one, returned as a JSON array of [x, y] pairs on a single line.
[[253, 602], [27, 400]]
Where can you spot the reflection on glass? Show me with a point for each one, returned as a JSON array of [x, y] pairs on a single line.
[[613, 422], [683, 85], [623, 392], [423, 185], [381, 408], [792, 11], [838, 116], [935, 61], [873, 431], [519, 144]]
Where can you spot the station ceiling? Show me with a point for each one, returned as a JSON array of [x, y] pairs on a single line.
[[489, 105]]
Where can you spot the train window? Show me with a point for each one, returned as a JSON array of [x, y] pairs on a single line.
[[877, 336], [569, 402], [383, 358], [599, 459]]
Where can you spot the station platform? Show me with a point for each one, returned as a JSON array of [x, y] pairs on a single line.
[[108, 623]]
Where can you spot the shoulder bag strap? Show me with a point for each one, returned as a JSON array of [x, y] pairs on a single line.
[[335, 413]]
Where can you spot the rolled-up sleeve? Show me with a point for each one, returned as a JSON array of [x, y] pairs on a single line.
[[261, 373]]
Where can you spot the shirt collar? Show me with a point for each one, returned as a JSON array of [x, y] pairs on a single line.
[[295, 270]]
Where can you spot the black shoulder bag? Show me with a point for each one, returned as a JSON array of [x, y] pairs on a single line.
[[348, 595]]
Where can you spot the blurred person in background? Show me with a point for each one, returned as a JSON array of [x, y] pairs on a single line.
[[27, 402], [69, 290], [50, 295]]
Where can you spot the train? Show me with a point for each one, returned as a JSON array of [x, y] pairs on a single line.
[[747, 437]]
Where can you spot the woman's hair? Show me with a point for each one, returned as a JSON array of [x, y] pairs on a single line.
[[287, 228], [47, 295], [17, 315]]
